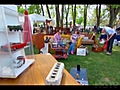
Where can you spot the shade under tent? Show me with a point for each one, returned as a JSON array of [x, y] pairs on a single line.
[[34, 17]]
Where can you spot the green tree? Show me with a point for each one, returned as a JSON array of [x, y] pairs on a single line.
[[113, 11]]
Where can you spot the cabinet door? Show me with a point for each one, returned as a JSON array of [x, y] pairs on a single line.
[[39, 40]]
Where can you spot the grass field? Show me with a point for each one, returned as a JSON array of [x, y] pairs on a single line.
[[101, 68]]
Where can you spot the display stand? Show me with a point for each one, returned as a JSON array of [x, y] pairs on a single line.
[[13, 61]]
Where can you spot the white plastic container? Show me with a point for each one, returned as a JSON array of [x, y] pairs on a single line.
[[118, 43], [55, 75]]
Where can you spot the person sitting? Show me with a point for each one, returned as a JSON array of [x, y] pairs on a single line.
[[59, 40], [57, 37], [73, 39]]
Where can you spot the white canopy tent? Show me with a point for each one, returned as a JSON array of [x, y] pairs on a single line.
[[37, 17], [34, 17]]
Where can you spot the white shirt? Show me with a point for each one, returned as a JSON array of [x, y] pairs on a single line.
[[70, 29], [109, 30]]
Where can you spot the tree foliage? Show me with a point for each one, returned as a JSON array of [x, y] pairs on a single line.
[[108, 14]]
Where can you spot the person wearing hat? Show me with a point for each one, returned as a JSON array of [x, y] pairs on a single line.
[[111, 34]]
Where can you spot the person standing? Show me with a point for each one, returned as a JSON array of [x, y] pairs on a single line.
[[111, 33], [118, 27], [51, 25], [95, 28]]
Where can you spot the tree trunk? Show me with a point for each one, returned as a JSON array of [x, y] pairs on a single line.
[[57, 15], [85, 16], [72, 12], [43, 13], [98, 12], [25, 7], [42, 10], [67, 12], [62, 17], [113, 14], [74, 18], [49, 15], [48, 11]]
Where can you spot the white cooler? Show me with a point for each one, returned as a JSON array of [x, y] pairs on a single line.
[[118, 43], [82, 51], [45, 49]]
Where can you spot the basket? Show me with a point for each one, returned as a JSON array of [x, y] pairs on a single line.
[[97, 48]]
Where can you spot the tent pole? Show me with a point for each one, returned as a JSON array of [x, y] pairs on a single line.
[[25, 7]]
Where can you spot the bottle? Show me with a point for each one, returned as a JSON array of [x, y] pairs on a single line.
[[77, 75]]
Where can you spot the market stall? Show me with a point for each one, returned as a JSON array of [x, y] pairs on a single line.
[[35, 18]]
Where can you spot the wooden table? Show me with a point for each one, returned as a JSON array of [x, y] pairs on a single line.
[[37, 73]]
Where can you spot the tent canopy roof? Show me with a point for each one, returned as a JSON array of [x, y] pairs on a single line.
[[34, 17], [37, 17]]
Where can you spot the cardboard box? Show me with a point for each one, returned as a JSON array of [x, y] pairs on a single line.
[[82, 51]]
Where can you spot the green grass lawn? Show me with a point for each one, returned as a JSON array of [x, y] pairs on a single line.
[[101, 68]]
